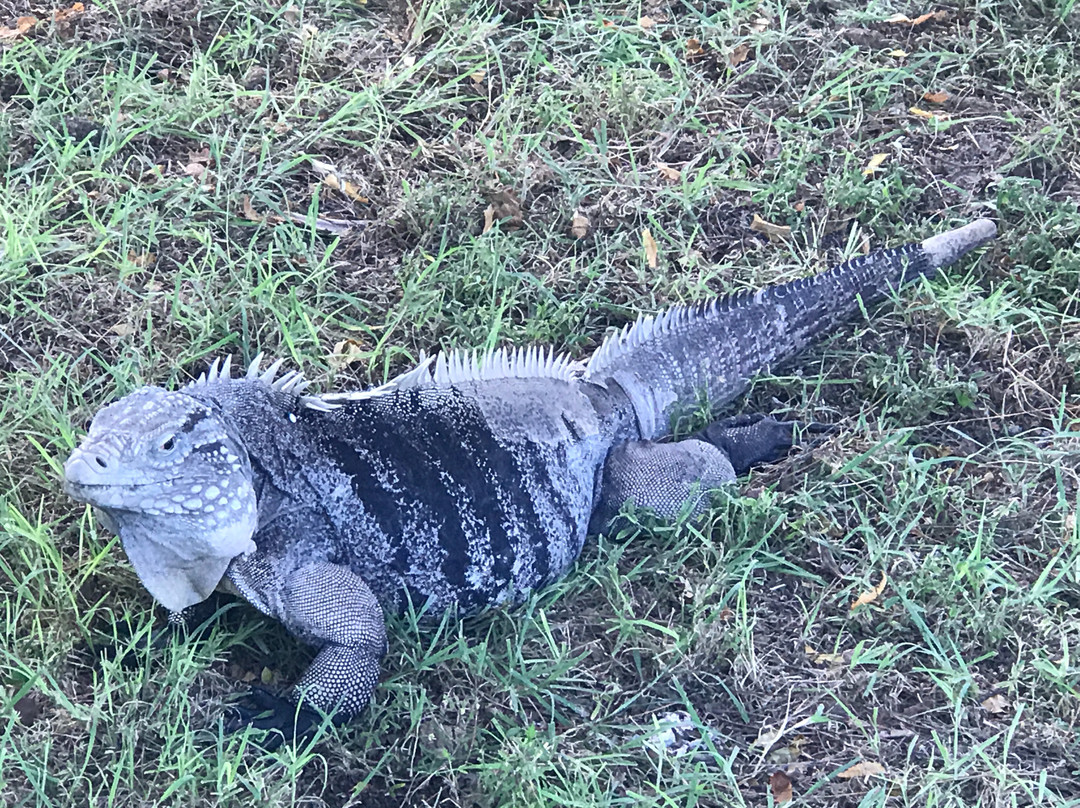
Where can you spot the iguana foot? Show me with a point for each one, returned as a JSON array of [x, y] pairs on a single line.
[[749, 440], [280, 717]]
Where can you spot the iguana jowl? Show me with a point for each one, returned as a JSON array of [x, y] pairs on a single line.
[[463, 483]]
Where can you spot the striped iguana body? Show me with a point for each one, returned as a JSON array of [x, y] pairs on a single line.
[[464, 483]]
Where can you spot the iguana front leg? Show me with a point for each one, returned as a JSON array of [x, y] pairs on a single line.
[[330, 607]]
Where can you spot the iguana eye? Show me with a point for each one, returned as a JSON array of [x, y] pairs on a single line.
[[168, 444]]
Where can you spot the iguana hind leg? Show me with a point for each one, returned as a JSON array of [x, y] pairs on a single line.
[[663, 477], [660, 477]]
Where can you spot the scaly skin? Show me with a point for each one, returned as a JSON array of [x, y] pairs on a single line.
[[463, 488]]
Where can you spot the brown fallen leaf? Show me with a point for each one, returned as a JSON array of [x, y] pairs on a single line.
[[775, 232], [780, 786], [61, 14], [489, 218], [646, 22], [579, 225], [694, 49], [898, 54], [22, 26], [996, 705], [249, 210], [935, 98], [195, 170], [345, 353], [874, 164], [903, 19], [652, 250], [506, 209], [819, 658], [668, 173], [864, 768], [738, 56], [122, 329], [478, 76], [331, 179], [922, 113], [871, 594], [142, 260]]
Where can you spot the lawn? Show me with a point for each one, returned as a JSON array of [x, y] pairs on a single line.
[[345, 184]]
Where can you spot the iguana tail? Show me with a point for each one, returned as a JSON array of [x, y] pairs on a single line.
[[662, 362]]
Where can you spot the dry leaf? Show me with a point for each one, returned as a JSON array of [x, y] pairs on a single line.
[[142, 260], [786, 755], [874, 164], [898, 54], [506, 209], [646, 22], [345, 353], [479, 76], [819, 658], [738, 56], [201, 156], [872, 594], [863, 768], [408, 60], [995, 705], [123, 329], [904, 19], [195, 170], [935, 98], [489, 218], [22, 25], [922, 113], [62, 14], [668, 173], [760, 24], [693, 48], [780, 786], [338, 227], [579, 225], [1070, 527], [350, 189], [775, 232], [652, 251], [249, 211], [800, 206]]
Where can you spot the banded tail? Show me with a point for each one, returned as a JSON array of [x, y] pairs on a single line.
[[663, 361]]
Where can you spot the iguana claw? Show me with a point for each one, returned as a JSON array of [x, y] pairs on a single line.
[[281, 718]]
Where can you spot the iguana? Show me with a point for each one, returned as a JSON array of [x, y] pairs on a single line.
[[465, 483]]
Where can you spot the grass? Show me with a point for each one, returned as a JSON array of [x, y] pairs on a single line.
[[954, 472]]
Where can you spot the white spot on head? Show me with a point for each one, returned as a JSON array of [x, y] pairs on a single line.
[[195, 489], [193, 504], [211, 492]]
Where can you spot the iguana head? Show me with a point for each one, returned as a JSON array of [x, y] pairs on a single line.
[[176, 487]]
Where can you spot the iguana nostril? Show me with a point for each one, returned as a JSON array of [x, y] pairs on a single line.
[[101, 464]]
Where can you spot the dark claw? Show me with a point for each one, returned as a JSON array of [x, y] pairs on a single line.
[[749, 440], [268, 712]]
